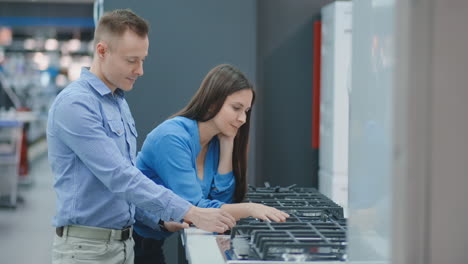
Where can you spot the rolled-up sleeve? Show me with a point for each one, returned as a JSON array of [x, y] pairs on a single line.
[[147, 219], [78, 123]]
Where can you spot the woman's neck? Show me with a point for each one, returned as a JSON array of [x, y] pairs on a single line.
[[206, 131]]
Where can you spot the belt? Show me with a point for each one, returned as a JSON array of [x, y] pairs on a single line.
[[94, 232]]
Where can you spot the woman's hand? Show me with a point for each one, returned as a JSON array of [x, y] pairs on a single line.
[[266, 213], [225, 140]]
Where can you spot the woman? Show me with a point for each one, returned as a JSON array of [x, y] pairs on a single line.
[[201, 154]]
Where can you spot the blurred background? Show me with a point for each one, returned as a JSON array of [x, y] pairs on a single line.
[[363, 100]]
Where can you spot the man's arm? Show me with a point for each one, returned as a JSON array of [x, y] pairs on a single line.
[[78, 123]]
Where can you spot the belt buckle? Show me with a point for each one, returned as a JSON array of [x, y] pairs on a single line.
[[59, 231], [125, 234]]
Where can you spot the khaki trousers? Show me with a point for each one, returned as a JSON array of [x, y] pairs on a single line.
[[78, 250]]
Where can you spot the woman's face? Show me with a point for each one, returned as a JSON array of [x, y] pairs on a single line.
[[233, 113]]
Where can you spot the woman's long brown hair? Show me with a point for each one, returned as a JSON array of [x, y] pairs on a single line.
[[222, 81]]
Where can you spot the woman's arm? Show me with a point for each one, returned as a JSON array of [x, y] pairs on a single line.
[[260, 211], [226, 147], [242, 210], [224, 183]]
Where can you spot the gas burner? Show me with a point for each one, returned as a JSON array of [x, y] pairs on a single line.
[[291, 241], [293, 200], [268, 188], [315, 230]]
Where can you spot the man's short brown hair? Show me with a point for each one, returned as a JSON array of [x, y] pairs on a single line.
[[116, 22]]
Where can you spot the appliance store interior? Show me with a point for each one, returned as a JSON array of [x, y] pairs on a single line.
[[357, 130]]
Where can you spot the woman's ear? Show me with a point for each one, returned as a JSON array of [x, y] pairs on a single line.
[[210, 110]]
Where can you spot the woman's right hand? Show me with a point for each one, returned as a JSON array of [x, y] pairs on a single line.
[[225, 140], [266, 213]]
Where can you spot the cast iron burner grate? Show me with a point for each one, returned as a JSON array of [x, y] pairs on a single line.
[[293, 200], [315, 230], [299, 239]]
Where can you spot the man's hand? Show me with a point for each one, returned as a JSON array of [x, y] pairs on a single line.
[[210, 219], [174, 226]]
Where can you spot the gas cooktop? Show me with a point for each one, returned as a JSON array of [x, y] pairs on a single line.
[[294, 200], [315, 230]]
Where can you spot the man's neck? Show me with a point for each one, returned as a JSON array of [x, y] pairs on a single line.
[[96, 70]]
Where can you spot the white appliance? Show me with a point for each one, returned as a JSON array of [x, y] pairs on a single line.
[[334, 108]]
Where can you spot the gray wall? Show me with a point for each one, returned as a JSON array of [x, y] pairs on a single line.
[[187, 39], [284, 75], [270, 40]]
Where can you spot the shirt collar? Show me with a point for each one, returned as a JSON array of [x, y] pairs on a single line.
[[196, 136], [97, 84]]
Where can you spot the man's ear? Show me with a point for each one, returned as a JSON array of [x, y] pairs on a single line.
[[101, 49]]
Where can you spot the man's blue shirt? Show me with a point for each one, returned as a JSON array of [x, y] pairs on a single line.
[[91, 137]]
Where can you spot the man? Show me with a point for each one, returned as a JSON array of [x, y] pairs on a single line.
[[92, 147]]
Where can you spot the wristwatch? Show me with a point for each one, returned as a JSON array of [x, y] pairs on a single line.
[[161, 226]]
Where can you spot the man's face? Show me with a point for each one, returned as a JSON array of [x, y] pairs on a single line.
[[122, 62]]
